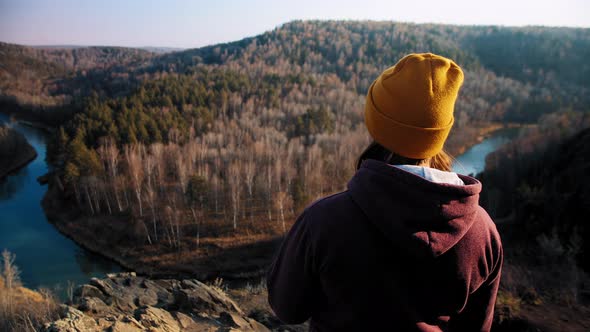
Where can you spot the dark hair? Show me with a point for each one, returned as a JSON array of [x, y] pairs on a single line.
[[442, 160]]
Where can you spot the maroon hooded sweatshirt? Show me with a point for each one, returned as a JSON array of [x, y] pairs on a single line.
[[395, 252]]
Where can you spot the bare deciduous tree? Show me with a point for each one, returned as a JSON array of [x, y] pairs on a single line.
[[133, 155], [283, 202], [150, 192], [10, 272], [11, 277], [235, 182], [249, 172], [109, 154]]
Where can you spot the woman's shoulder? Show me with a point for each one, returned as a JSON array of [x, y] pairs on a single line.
[[332, 210], [485, 228], [488, 224], [331, 204]]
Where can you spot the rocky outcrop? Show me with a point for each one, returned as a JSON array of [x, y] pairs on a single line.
[[127, 302]]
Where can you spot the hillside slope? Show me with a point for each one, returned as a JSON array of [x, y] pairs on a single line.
[[534, 69], [46, 84], [536, 189]]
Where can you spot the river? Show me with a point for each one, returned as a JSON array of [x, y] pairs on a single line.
[[48, 259], [473, 161], [44, 256]]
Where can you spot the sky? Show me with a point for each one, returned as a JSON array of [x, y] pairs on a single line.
[[196, 23]]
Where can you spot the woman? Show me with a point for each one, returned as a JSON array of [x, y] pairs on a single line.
[[407, 247]]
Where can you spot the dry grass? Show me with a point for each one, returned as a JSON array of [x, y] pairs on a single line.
[[22, 309]]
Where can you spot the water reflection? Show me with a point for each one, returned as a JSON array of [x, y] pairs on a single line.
[[13, 183], [92, 264]]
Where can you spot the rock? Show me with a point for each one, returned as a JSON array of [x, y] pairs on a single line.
[[157, 319], [148, 297], [265, 318], [120, 326], [160, 288], [185, 321], [121, 275], [232, 319], [73, 321], [102, 286], [126, 302], [121, 296], [256, 326], [241, 323], [88, 291], [200, 297], [94, 305]]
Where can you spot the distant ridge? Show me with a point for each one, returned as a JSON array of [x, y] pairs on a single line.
[[161, 50], [153, 49], [54, 47]]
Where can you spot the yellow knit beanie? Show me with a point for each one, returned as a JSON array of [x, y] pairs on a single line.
[[409, 108]]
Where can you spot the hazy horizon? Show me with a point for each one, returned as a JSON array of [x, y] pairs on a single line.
[[181, 24], [177, 48]]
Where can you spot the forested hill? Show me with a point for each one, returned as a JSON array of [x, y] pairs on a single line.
[[543, 68], [36, 81], [331, 46], [301, 85]]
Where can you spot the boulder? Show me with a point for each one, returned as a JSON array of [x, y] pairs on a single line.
[[155, 319], [88, 291], [241, 323], [121, 326], [73, 321], [196, 296], [127, 302], [94, 305]]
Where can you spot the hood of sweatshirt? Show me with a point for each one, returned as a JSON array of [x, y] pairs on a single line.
[[421, 217]]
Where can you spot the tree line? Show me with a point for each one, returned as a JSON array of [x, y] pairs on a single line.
[[246, 133], [540, 68]]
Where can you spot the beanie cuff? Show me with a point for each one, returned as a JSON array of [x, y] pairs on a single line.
[[403, 139]]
